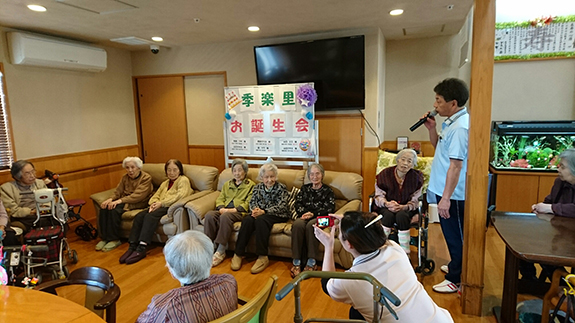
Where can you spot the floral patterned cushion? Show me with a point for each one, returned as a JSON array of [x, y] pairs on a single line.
[[386, 159]]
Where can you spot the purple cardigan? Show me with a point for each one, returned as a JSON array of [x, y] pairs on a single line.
[[562, 198]]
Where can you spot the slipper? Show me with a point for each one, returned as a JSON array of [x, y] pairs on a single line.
[[111, 245], [445, 269], [236, 262], [446, 287], [126, 255], [310, 268], [217, 258], [260, 265], [101, 245], [136, 256], [294, 271]]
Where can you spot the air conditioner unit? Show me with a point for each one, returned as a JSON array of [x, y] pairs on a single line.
[[35, 50]]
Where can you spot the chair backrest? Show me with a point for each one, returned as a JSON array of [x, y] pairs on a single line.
[[346, 186], [255, 309], [202, 178], [101, 291]]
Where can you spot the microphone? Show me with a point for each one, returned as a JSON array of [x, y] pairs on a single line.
[[421, 121]]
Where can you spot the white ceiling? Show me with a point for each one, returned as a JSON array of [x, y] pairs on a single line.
[[98, 21]]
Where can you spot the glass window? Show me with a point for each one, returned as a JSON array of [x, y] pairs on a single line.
[[6, 147]]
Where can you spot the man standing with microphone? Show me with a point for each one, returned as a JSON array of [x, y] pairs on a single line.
[[448, 172]]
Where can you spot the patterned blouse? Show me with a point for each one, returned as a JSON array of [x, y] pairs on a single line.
[[320, 202], [273, 201], [201, 302]]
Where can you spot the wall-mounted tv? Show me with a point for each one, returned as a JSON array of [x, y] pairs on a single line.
[[336, 66]]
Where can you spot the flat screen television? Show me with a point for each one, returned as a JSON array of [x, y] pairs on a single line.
[[336, 66]]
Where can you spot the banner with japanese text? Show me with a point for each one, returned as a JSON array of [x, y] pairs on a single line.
[[271, 120]]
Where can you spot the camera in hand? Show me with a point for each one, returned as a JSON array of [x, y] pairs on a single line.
[[324, 221]]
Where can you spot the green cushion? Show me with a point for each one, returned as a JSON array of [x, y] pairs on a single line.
[[255, 319], [386, 159]]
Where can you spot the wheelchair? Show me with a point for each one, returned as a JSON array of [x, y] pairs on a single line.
[[420, 222]]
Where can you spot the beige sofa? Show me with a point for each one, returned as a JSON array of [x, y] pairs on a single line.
[[203, 180], [346, 186]]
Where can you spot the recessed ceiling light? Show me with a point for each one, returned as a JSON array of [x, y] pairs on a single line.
[[156, 38], [396, 12], [37, 8], [254, 28]]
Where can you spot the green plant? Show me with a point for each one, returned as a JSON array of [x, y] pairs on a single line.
[[539, 158], [505, 148], [564, 143]]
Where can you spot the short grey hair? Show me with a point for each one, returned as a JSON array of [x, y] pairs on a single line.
[[16, 168], [318, 166], [136, 160], [405, 151], [267, 167], [568, 155], [239, 161], [189, 256]]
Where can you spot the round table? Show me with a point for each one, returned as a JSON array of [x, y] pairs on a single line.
[[28, 305]]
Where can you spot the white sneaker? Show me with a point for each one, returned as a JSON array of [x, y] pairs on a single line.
[[444, 268], [218, 258], [445, 287]]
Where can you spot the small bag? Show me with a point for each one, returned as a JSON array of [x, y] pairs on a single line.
[[61, 207], [569, 295], [51, 236]]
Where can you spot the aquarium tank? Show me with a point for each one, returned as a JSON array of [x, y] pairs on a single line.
[[530, 145]]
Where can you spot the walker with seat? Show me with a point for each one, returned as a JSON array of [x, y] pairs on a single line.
[[49, 228]]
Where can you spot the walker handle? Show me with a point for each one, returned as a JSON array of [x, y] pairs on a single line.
[[284, 291]]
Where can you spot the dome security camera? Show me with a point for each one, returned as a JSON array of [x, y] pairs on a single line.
[[155, 49]]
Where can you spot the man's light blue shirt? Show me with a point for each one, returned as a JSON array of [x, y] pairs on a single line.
[[451, 144]]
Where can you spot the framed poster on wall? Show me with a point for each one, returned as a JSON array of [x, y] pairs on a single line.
[[271, 121]]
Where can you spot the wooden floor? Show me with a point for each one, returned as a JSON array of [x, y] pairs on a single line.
[[141, 281]]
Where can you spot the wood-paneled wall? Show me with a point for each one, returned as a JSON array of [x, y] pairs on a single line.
[[84, 173], [208, 155], [427, 149]]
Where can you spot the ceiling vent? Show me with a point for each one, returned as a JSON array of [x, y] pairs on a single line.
[[101, 7], [132, 41], [424, 31]]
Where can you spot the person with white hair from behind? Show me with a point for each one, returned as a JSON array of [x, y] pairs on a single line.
[[202, 297]]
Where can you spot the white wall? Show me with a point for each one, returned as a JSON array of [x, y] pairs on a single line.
[[237, 59], [57, 111], [413, 68], [534, 90]]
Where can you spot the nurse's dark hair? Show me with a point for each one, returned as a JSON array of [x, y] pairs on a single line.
[[364, 240]]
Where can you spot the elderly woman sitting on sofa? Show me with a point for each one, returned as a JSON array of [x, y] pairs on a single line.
[[397, 193], [133, 192], [202, 297], [21, 207], [232, 206], [313, 200], [268, 206], [175, 188]]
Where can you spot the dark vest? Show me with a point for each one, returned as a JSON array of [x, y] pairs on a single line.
[[387, 182]]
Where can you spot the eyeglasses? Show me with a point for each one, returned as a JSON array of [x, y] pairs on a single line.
[[32, 172]]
